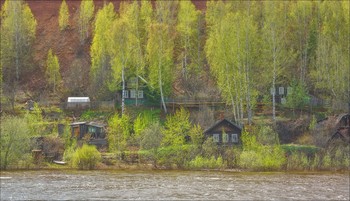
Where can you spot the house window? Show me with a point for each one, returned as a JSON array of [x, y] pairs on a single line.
[[140, 94], [224, 138], [92, 129], [126, 94], [234, 138], [133, 93], [216, 137]]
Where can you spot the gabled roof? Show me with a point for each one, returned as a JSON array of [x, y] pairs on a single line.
[[77, 123], [96, 124], [343, 134], [220, 122]]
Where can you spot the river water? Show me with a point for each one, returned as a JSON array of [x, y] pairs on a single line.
[[172, 185]]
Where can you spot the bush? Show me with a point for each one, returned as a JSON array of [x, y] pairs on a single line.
[[176, 155], [86, 157], [206, 163], [263, 158], [14, 141]]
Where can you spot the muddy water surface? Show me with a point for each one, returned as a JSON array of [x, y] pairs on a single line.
[[172, 185]]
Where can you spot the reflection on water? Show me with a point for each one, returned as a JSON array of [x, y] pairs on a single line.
[[172, 185]]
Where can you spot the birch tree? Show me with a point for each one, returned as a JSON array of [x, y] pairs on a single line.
[[160, 49], [63, 18], [231, 55], [159, 55], [53, 70], [18, 29], [187, 28], [138, 18], [122, 47], [100, 73], [86, 12], [274, 32], [331, 72], [300, 14]]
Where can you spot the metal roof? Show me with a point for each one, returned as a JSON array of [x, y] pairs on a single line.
[[78, 99], [77, 123]]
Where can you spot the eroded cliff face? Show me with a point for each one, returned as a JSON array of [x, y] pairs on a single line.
[[65, 44]]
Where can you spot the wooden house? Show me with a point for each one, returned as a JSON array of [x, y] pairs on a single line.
[[94, 131], [224, 132], [342, 134]]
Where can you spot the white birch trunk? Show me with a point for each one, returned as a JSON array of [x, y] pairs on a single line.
[[123, 92]]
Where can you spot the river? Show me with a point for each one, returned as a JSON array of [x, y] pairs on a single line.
[[172, 185]]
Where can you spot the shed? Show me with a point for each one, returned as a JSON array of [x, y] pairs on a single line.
[[95, 130], [78, 102], [224, 132], [342, 134]]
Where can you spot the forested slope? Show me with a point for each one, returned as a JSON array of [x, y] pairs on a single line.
[[239, 50]]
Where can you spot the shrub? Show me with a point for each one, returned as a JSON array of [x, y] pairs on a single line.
[[263, 158], [208, 163], [86, 157]]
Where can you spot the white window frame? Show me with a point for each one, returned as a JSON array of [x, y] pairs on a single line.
[[126, 94], [140, 94], [132, 93], [216, 137], [234, 138]]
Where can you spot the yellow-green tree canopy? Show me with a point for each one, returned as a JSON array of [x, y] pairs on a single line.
[[63, 18], [53, 70], [86, 13]]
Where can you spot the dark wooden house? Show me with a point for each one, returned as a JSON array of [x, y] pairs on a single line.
[[92, 130], [343, 130], [224, 132]]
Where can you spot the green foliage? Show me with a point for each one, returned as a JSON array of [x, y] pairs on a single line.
[[187, 27], [266, 135], [119, 132], [53, 70], [210, 148], [86, 13], [263, 158], [35, 121], [18, 31], [176, 155], [176, 128], [307, 149], [143, 120], [63, 18], [330, 73], [313, 123], [90, 115], [206, 163], [101, 73], [299, 161], [86, 157], [196, 135], [151, 138], [14, 141], [231, 54], [160, 46], [258, 156], [299, 97]]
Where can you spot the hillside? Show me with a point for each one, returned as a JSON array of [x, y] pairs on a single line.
[[65, 44]]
